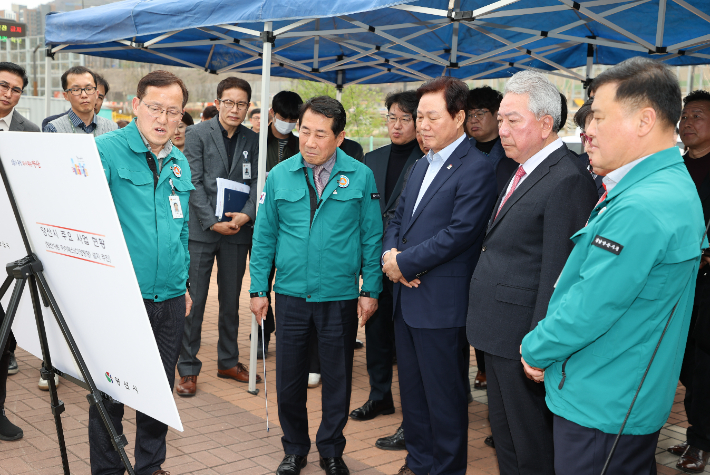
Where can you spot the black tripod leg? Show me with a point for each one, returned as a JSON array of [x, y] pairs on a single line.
[[95, 398], [48, 374]]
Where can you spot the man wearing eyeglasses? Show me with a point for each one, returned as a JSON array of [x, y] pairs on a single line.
[[150, 182], [221, 147], [13, 81], [79, 85], [388, 164]]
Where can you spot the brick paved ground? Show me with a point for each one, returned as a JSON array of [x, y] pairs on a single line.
[[225, 427]]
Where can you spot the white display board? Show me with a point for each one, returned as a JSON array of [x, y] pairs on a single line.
[[71, 222]]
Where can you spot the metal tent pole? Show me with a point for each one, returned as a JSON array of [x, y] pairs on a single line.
[[47, 83], [267, 40]]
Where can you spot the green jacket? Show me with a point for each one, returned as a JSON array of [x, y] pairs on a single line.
[[156, 241], [633, 262], [322, 261]]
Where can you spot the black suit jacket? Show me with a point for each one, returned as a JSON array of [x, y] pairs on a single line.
[[524, 252], [378, 161]]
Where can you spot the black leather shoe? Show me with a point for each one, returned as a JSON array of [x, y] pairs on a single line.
[[489, 442], [393, 442], [291, 465], [359, 344], [372, 409], [334, 466]]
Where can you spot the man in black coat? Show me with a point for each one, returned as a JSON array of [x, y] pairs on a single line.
[[695, 372], [527, 243], [389, 165]]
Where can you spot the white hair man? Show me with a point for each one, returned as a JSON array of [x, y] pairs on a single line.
[[527, 243]]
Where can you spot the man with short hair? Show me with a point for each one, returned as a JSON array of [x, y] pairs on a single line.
[[13, 80], [544, 203], [629, 281], [219, 148], [482, 127], [430, 250], [695, 372], [156, 236], [208, 113], [79, 86], [388, 164], [319, 220], [255, 119], [281, 144], [102, 89]]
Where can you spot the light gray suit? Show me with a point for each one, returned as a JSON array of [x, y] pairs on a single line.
[[20, 124], [207, 154]]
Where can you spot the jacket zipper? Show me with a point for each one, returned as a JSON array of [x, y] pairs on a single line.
[[564, 375]]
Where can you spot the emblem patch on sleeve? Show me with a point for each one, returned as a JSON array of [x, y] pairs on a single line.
[[607, 245], [262, 198], [375, 196]]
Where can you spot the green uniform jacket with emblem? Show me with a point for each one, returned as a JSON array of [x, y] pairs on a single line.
[[322, 261], [631, 264], [156, 241]]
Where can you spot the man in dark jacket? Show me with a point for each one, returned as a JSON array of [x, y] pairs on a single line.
[[219, 148], [389, 165], [695, 372]]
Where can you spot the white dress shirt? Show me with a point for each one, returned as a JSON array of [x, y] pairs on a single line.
[[436, 161], [531, 164], [6, 121], [613, 178]]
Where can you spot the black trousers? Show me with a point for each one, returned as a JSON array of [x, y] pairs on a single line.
[[520, 420], [335, 324], [379, 330], [695, 372], [431, 363], [480, 360], [583, 451], [4, 361], [231, 265], [167, 321]]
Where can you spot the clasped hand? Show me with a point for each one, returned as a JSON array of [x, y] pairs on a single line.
[[228, 228], [534, 374], [391, 269]]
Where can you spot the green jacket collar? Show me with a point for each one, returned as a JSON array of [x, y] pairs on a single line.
[[343, 163], [133, 137], [658, 161]]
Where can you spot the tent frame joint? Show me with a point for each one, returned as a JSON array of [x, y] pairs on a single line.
[[268, 37], [48, 52]]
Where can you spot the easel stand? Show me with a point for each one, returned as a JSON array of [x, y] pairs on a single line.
[[30, 270]]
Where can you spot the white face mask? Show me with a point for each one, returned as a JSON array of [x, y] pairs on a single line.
[[284, 127]]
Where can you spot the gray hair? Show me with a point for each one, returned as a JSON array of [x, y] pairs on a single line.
[[543, 96]]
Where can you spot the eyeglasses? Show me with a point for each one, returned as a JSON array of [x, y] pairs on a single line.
[[4, 87], [157, 111], [76, 91], [230, 104], [585, 138], [478, 115], [406, 120]]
